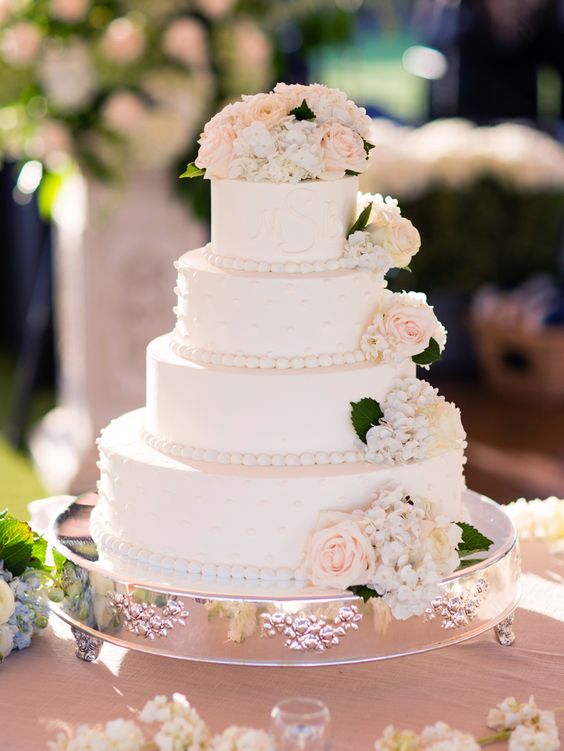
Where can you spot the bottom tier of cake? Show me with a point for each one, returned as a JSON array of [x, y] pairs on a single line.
[[245, 522]]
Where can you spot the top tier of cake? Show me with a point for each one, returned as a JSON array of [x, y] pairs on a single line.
[[293, 226]]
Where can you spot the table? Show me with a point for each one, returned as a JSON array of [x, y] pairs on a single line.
[[45, 689]]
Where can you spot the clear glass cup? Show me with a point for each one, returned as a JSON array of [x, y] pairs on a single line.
[[301, 725]]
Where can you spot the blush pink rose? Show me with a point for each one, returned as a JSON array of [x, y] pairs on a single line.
[[268, 109], [343, 149], [216, 148], [409, 327], [404, 240], [340, 555]]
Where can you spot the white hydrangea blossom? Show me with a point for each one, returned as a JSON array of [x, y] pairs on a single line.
[[116, 735], [393, 739], [441, 737], [414, 549], [388, 241], [537, 734], [538, 519], [242, 617], [402, 327], [418, 423], [509, 713], [242, 739], [182, 728]]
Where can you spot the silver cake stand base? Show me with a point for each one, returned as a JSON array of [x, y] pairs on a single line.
[[273, 623]]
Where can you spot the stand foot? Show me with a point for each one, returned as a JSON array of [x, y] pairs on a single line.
[[87, 647], [504, 631]]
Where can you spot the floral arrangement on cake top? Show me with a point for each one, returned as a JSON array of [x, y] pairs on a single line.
[[404, 326], [381, 238], [411, 423], [292, 133]]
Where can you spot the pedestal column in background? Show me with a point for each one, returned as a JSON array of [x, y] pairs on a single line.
[[115, 249]]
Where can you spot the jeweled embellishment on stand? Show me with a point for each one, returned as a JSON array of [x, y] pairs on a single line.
[[144, 619], [459, 608], [311, 633]]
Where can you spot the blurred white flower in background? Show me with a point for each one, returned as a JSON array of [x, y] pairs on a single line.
[[123, 110], [215, 8], [5, 10], [67, 75], [70, 11], [185, 40], [20, 44], [123, 41]]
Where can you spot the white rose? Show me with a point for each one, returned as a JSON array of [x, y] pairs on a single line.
[[123, 111], [446, 428], [339, 555], [185, 40], [69, 10], [216, 148], [6, 641], [343, 149], [269, 109], [399, 238], [7, 601], [441, 543], [123, 41], [20, 44], [409, 327]]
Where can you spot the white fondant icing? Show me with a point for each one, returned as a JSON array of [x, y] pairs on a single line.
[[255, 411], [281, 222], [264, 317], [212, 515], [242, 264]]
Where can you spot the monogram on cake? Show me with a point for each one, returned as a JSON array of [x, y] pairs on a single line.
[[285, 431]]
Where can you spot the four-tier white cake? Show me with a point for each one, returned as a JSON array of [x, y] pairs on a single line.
[[288, 387]]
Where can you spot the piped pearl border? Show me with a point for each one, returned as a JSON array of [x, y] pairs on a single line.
[[289, 267], [178, 451], [112, 545], [266, 363]]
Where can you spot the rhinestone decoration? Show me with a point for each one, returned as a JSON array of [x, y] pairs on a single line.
[[457, 608], [145, 620], [504, 631], [87, 647], [310, 633]]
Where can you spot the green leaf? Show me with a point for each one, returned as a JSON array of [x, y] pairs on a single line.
[[361, 590], [367, 146], [468, 562], [472, 541], [364, 415], [429, 355], [192, 171], [16, 544], [362, 220], [303, 112], [352, 173]]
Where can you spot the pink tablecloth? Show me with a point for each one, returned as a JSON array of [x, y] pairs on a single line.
[[45, 689]]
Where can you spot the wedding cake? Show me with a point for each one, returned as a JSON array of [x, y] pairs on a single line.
[[284, 417]]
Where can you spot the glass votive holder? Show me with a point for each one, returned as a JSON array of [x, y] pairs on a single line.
[[301, 725]]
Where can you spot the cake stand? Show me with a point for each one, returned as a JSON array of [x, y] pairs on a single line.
[[272, 623]]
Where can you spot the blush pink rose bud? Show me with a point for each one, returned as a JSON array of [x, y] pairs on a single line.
[[339, 556], [123, 41], [343, 149]]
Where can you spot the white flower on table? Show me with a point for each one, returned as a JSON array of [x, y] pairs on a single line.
[[509, 713], [393, 739], [181, 725], [242, 739], [538, 734], [402, 327], [539, 518], [441, 737], [116, 735]]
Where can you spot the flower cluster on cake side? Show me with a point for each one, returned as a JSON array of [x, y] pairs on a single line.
[[292, 133]]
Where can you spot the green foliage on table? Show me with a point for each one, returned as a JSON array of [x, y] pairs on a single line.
[[486, 233]]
